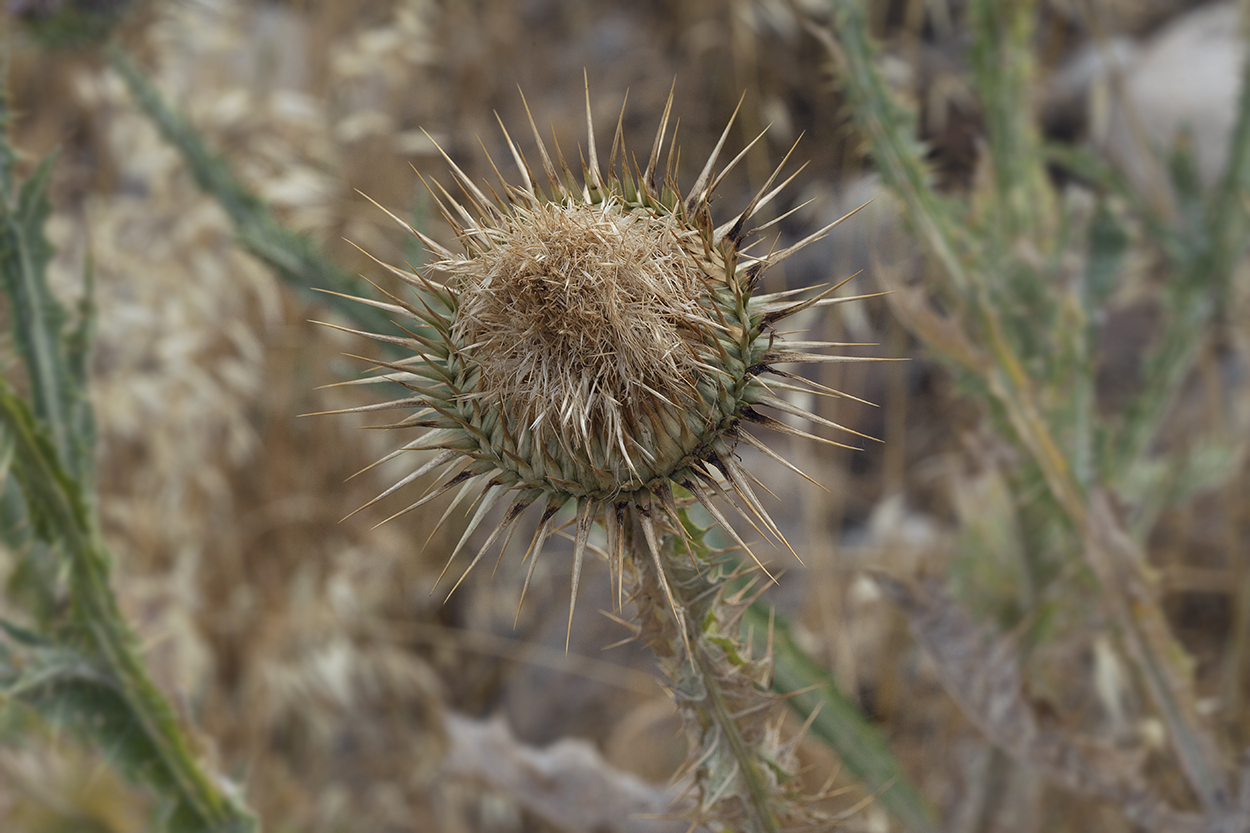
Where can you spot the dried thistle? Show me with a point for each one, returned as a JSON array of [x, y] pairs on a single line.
[[600, 343]]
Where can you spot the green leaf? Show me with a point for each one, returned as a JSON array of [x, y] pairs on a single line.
[[35, 583], [8, 156], [74, 25], [22, 636], [6, 461], [839, 722], [1187, 189], [73, 691], [78, 342], [101, 686], [91, 677], [37, 317], [1108, 244]]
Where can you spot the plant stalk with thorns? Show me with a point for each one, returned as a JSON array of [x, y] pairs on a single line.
[[599, 343]]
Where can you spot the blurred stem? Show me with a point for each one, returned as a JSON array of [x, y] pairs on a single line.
[[891, 128], [293, 256], [1129, 595], [59, 511], [1236, 496], [1229, 212], [37, 318], [37, 328], [1002, 60], [1114, 557], [51, 443], [1209, 256]]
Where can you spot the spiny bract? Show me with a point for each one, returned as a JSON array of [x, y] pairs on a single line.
[[596, 342]]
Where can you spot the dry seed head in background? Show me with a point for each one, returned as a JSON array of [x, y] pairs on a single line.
[[596, 343]]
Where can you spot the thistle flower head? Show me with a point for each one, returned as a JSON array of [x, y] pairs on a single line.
[[598, 341], [583, 321]]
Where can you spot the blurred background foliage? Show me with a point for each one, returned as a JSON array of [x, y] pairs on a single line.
[[1034, 595]]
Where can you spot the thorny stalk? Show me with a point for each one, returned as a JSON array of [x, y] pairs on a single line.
[[689, 603], [84, 669], [976, 252]]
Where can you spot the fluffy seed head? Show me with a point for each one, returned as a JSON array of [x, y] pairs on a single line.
[[584, 319], [598, 343]]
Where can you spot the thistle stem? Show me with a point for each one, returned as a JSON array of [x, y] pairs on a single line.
[[722, 695]]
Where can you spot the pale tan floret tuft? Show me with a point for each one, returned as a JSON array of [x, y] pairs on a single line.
[[583, 319]]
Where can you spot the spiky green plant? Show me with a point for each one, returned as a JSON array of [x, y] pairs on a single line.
[[601, 343], [1026, 288], [80, 667]]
